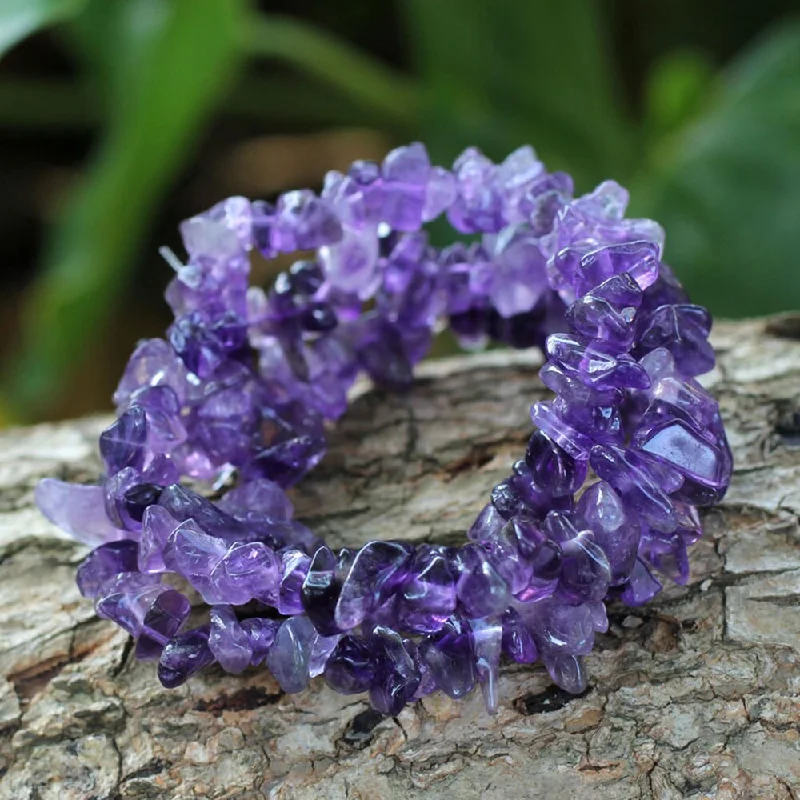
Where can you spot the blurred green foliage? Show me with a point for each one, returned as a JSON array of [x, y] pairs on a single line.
[[714, 156]]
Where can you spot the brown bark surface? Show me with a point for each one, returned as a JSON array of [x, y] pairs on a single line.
[[694, 696]]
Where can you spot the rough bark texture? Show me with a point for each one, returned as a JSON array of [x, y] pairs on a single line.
[[694, 696]]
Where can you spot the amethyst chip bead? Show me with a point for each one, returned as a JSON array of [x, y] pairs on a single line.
[[602, 508]]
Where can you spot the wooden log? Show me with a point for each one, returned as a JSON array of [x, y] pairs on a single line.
[[696, 695]]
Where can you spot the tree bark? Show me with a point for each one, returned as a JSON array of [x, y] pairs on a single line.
[[696, 695]]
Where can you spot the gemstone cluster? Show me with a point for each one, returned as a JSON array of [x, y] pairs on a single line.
[[602, 507]]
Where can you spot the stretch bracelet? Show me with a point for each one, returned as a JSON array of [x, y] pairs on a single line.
[[244, 386]]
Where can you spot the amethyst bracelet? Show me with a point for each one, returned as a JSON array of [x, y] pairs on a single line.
[[246, 383]]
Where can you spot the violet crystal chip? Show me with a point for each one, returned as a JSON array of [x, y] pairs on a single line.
[[245, 382]]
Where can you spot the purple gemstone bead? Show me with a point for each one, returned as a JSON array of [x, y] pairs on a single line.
[[161, 622], [449, 656], [103, 564], [78, 510], [641, 586], [480, 588], [294, 568], [322, 587], [378, 569], [428, 594], [157, 526], [601, 510], [350, 668], [396, 677], [122, 444], [228, 640], [517, 640], [487, 637], [290, 653], [683, 330], [183, 656], [261, 634]]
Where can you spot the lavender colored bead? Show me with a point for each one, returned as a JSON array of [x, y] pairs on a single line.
[[153, 363], [294, 568], [607, 312], [165, 428], [303, 222], [672, 438], [667, 554], [480, 588], [228, 640], [157, 526], [258, 495], [559, 629], [261, 634], [191, 552], [574, 271], [487, 637], [545, 416], [440, 194], [320, 652], [505, 555], [103, 564], [350, 668], [378, 570], [518, 278], [247, 571], [77, 510], [478, 206], [595, 368], [641, 586], [183, 656], [289, 656], [184, 504], [568, 673], [405, 182]]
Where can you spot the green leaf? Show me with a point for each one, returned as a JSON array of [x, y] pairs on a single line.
[[677, 91], [727, 187], [176, 61], [506, 73], [21, 18]]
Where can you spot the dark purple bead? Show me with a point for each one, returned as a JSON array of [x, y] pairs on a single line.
[[350, 668], [322, 587], [139, 497], [396, 677], [122, 444], [183, 656], [518, 642], [553, 471], [161, 622]]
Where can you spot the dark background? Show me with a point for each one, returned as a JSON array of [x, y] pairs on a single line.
[[119, 118]]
